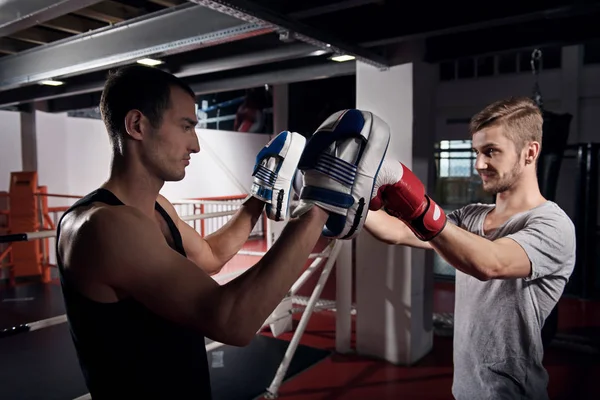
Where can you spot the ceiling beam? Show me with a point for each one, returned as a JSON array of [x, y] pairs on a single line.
[[289, 75], [167, 3], [41, 93], [289, 52], [173, 30], [16, 15], [255, 13]]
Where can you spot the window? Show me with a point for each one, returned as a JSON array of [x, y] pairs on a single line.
[[455, 163]]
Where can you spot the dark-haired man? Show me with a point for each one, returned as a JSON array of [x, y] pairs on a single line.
[[135, 278]]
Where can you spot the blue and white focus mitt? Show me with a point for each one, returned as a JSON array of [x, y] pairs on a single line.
[[340, 164], [274, 173]]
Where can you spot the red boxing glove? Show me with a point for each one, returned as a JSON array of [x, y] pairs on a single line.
[[402, 194]]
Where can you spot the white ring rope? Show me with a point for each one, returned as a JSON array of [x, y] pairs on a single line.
[[217, 202], [52, 233]]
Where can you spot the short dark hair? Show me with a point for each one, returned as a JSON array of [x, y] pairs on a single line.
[[137, 87]]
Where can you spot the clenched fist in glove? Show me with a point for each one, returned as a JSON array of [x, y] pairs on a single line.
[[402, 195]]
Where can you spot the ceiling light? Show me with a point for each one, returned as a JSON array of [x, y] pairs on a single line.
[[149, 61], [342, 58], [319, 52], [51, 82]]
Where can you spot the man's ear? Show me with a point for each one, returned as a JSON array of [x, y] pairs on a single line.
[[532, 152], [134, 124]]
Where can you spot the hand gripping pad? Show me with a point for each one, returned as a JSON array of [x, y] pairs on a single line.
[[274, 172], [340, 164]]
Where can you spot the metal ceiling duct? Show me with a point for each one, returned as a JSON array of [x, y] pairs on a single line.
[[289, 75], [41, 93], [170, 31], [253, 13]]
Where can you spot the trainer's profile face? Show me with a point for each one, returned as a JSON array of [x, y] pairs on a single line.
[[497, 160], [175, 140]]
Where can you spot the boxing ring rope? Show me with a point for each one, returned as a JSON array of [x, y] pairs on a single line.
[[280, 319]]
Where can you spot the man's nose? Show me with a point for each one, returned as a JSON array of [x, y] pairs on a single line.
[[195, 145], [480, 162]]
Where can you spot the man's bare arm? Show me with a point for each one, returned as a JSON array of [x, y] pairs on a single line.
[[472, 254], [128, 252], [392, 230], [215, 250], [480, 257]]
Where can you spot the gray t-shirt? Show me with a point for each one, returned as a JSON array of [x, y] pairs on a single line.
[[497, 324]]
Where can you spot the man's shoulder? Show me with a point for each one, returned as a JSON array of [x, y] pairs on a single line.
[[551, 212], [97, 222], [474, 208], [460, 215], [168, 207]]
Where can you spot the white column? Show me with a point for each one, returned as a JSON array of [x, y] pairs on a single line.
[[280, 123], [343, 298], [392, 321]]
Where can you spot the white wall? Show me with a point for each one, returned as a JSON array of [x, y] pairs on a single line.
[[222, 168], [74, 158], [88, 154], [574, 88], [10, 147], [53, 155]]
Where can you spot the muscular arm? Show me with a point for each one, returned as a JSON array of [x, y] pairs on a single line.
[[472, 254], [126, 251], [215, 250], [392, 230], [479, 257]]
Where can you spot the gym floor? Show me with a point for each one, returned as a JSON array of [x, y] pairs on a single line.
[[573, 370]]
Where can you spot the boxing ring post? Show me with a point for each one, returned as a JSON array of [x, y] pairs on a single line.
[[273, 389], [343, 298]]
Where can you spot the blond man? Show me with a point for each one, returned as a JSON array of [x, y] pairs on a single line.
[[512, 258]]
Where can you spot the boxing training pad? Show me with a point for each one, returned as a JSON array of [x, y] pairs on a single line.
[[274, 173], [340, 164], [298, 182]]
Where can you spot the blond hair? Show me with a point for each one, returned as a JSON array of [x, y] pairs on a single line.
[[520, 117]]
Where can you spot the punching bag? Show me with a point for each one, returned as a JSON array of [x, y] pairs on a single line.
[[555, 134]]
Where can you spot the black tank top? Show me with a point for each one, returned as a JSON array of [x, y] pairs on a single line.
[[127, 351]]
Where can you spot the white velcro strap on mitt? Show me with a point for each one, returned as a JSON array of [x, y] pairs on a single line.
[[274, 172], [340, 164]]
